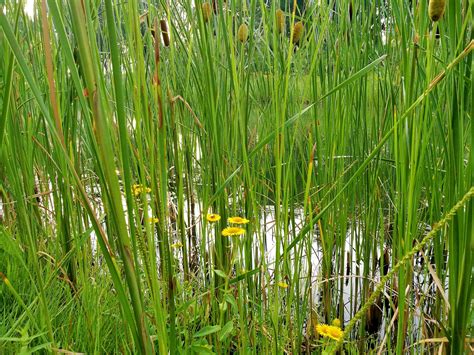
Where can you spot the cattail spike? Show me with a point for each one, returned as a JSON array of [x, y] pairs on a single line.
[[436, 9], [243, 33], [280, 20]]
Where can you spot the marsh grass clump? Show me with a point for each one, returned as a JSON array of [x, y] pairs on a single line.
[[233, 186]]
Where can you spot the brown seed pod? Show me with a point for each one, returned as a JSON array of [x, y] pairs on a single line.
[[298, 32], [206, 11], [280, 20], [436, 9], [243, 33], [164, 33]]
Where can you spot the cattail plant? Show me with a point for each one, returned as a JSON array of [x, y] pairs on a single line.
[[243, 33], [280, 20], [206, 11], [436, 9], [335, 152], [297, 32]]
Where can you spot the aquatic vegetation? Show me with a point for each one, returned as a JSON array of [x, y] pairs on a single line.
[[236, 177]]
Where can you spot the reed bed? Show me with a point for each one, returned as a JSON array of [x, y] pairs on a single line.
[[236, 177]]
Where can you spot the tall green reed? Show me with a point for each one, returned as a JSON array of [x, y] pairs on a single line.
[[345, 137]]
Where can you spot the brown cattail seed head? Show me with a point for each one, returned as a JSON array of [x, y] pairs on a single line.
[[164, 33], [280, 20], [298, 32], [243, 33], [206, 11], [436, 9]]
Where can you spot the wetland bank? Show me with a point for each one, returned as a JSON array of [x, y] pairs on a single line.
[[227, 177]]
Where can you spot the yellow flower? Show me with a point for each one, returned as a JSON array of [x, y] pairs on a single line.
[[237, 220], [231, 231], [329, 331], [436, 9], [177, 245], [283, 284], [137, 189], [336, 322], [153, 220], [213, 217]]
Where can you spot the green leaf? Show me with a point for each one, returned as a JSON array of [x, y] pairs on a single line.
[[202, 349], [231, 300], [226, 330], [244, 275], [220, 273], [210, 329]]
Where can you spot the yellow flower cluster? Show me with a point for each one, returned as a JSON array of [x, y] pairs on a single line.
[[137, 189], [229, 231], [329, 331]]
